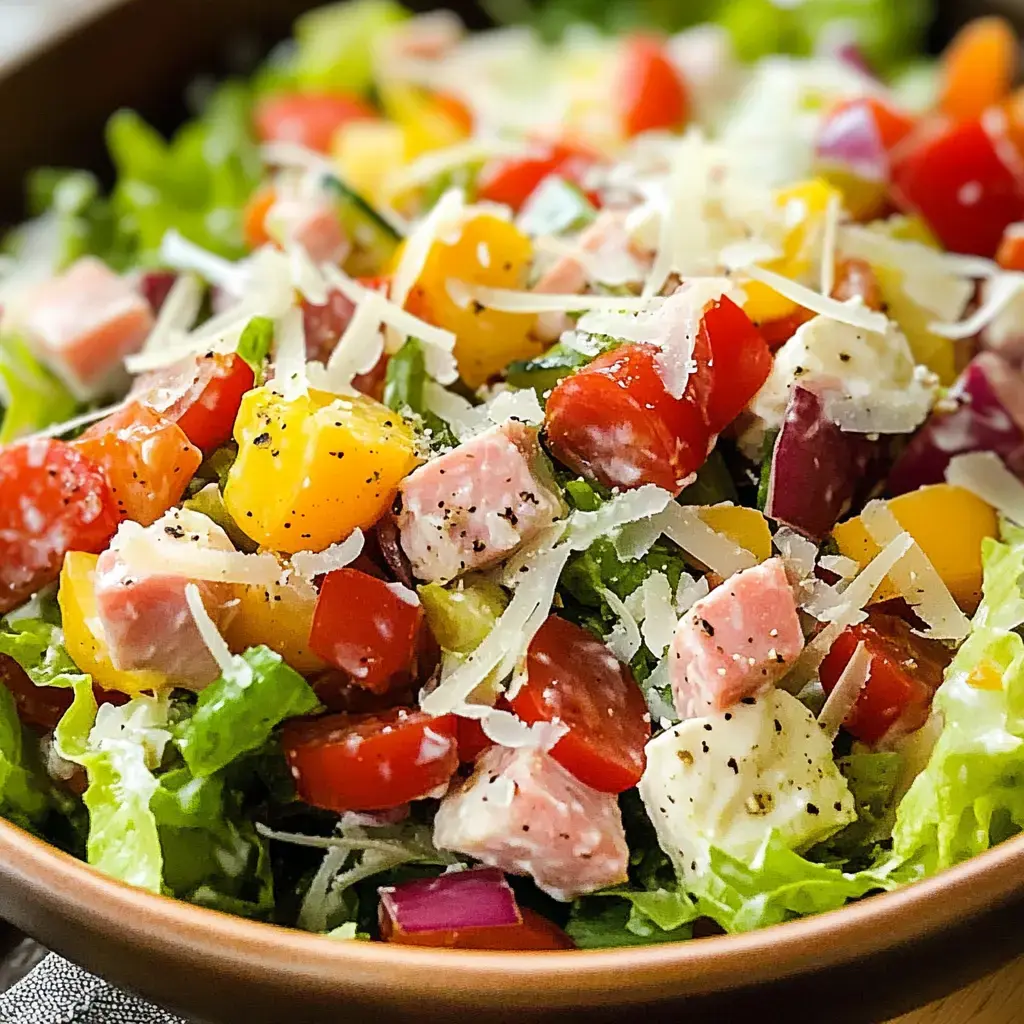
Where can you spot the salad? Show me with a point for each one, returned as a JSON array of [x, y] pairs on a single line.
[[477, 491]]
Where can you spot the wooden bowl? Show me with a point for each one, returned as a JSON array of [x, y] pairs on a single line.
[[864, 963]]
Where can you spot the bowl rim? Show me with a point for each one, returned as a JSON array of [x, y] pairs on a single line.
[[573, 978]]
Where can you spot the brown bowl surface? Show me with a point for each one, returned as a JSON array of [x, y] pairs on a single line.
[[864, 963]]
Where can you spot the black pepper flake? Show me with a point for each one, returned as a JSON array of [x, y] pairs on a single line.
[[707, 727], [728, 716], [812, 809], [731, 763], [261, 440], [778, 726], [748, 700], [704, 746], [707, 627]]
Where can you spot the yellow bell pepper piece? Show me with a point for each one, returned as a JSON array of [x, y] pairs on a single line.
[[747, 527], [948, 523], [425, 123], [928, 349], [89, 651], [311, 470], [366, 152], [811, 198], [490, 252], [280, 616]]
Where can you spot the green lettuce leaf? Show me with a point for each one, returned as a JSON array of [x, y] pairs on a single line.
[[971, 793], [254, 344], [33, 398], [37, 645], [403, 392], [23, 790], [198, 183], [236, 713]]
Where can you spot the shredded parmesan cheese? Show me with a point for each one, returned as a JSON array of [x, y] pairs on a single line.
[[507, 300], [208, 629], [659, 613], [437, 162], [290, 357], [852, 312], [916, 578], [985, 475], [997, 295], [56, 429], [847, 689], [179, 253], [625, 639], [515, 405], [309, 564], [446, 211], [829, 235], [628, 507], [177, 314], [721, 555]]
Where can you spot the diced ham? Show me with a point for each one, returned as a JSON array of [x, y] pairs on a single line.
[[146, 619], [736, 642], [473, 506], [521, 811], [84, 322], [311, 222]]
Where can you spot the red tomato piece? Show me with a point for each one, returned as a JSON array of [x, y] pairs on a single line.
[[533, 932], [966, 181], [147, 459], [366, 629], [652, 94], [512, 180], [472, 740], [614, 422], [370, 762], [904, 673], [740, 361], [310, 119], [200, 394], [573, 677], [53, 499]]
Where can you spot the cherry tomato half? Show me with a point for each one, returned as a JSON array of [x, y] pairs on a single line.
[[965, 180], [364, 627], [201, 394], [53, 499], [512, 180], [904, 673], [652, 94], [310, 119], [614, 422], [147, 460], [573, 677], [370, 762]]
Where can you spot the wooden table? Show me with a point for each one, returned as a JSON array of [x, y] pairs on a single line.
[[997, 999]]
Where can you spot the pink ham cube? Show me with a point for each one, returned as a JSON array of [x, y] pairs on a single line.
[[521, 811], [472, 507], [145, 618], [84, 322], [312, 223], [736, 642]]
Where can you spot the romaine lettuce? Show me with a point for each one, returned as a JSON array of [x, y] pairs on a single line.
[[971, 793]]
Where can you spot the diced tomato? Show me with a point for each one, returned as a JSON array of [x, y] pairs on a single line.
[[370, 762], [472, 739], [512, 180], [651, 93], [254, 217], [905, 672], [614, 422], [533, 932], [310, 119], [200, 394], [777, 332], [53, 499], [740, 361], [978, 67], [966, 180], [366, 629], [572, 677], [1011, 249], [147, 459]]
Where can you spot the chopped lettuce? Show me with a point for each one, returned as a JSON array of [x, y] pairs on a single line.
[[254, 345], [403, 392], [971, 793], [23, 796], [335, 44], [198, 183], [236, 713], [33, 398], [37, 645]]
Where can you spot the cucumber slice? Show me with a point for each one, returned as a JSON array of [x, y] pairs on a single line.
[[374, 240]]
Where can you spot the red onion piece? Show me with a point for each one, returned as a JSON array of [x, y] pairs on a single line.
[[480, 898], [850, 141], [155, 286], [817, 469], [989, 418]]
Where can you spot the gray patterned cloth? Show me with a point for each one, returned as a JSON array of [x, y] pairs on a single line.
[[58, 992]]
